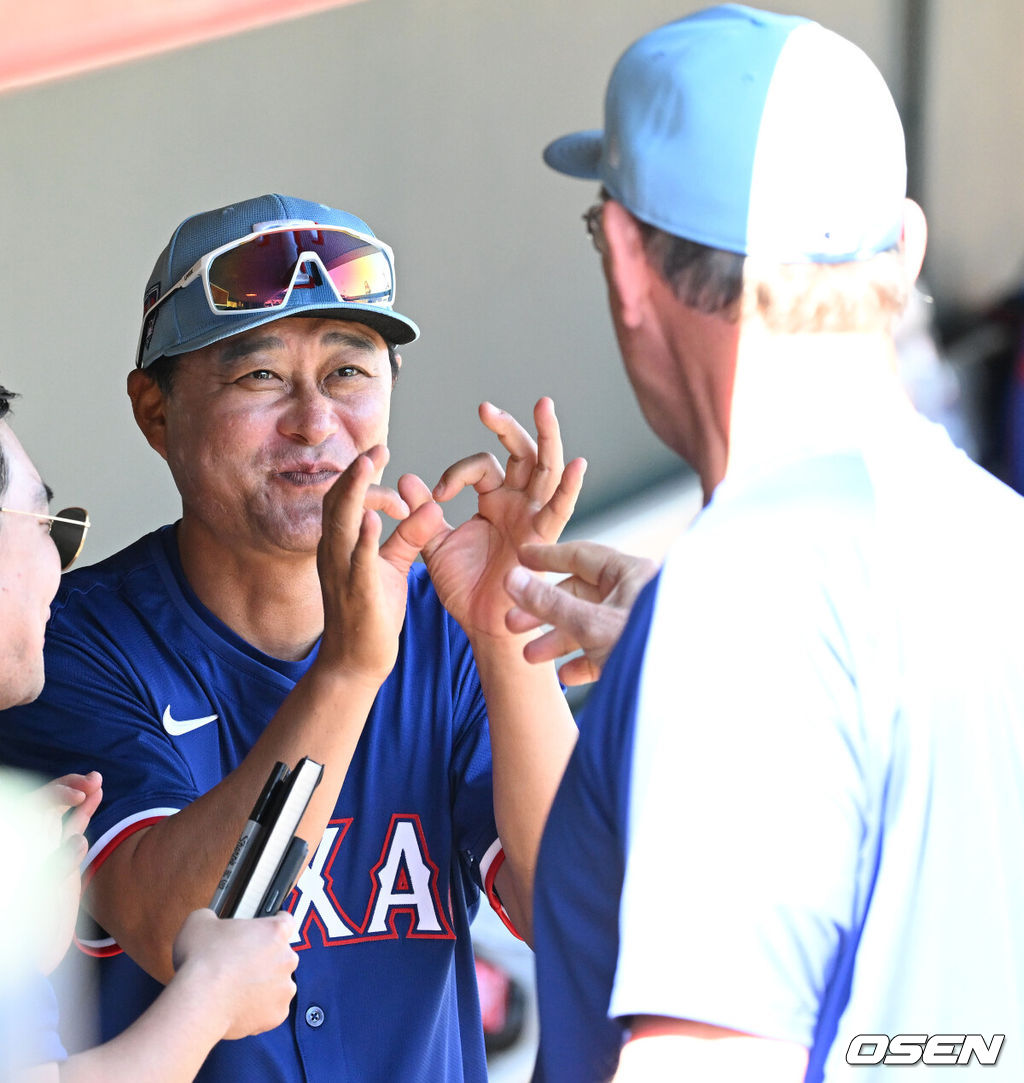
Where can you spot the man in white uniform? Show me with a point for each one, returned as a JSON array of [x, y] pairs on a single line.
[[791, 828]]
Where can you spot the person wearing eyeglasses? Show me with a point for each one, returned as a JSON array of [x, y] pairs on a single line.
[[233, 978], [787, 844], [271, 622]]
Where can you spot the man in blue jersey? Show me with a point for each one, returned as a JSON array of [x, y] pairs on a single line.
[[789, 834], [270, 623]]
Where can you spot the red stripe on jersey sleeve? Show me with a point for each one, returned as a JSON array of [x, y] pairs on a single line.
[[494, 898], [100, 950]]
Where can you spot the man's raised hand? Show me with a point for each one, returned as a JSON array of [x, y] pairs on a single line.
[[65, 805], [587, 610], [529, 500], [364, 582]]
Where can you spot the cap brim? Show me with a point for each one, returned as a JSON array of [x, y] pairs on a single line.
[[577, 155], [390, 325]]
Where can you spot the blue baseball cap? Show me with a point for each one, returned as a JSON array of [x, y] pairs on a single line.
[[186, 322], [752, 132]]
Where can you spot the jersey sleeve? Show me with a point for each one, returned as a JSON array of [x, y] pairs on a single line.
[[746, 815], [94, 714]]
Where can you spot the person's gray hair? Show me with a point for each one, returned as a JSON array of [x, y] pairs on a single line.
[[856, 295], [707, 279], [862, 296]]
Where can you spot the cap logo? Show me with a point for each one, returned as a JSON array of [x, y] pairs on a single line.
[[152, 296], [149, 316]]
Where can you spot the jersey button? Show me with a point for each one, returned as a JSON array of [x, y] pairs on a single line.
[[315, 1016]]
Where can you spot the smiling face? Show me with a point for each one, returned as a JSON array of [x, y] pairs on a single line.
[[257, 428], [29, 576]]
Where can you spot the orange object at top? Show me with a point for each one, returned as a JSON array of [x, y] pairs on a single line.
[[55, 38]]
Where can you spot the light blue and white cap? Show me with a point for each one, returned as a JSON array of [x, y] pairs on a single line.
[[752, 132]]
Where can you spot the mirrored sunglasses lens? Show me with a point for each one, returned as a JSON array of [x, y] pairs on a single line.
[[258, 274], [361, 273], [69, 537]]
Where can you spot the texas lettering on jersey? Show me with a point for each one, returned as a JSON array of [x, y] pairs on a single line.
[[404, 881]]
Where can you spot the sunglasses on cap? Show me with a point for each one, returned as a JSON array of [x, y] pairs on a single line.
[[263, 269], [67, 528]]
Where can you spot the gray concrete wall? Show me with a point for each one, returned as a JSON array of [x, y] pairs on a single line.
[[974, 150], [426, 118]]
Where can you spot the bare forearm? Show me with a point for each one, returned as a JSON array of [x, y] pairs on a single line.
[[167, 1044], [234, 979], [532, 736], [143, 893]]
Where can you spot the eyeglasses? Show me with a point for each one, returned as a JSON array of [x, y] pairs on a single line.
[[592, 220], [67, 528], [263, 269]]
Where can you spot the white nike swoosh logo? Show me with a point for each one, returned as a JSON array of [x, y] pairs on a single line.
[[177, 729]]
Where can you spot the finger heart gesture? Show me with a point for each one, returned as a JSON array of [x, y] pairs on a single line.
[[528, 501], [363, 581]]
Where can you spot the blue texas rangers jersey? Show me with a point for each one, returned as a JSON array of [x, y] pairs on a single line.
[[576, 929], [795, 807], [147, 686]]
